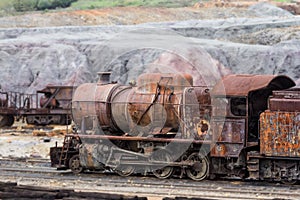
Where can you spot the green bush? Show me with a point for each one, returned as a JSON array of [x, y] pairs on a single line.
[[25, 5], [66, 3], [30, 5], [43, 4]]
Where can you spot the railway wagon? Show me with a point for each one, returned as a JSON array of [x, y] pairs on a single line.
[[52, 105], [167, 126]]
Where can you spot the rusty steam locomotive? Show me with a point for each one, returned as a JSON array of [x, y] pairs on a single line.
[[246, 126]]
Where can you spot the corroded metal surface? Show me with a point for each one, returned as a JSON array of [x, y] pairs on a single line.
[[147, 82], [241, 85], [287, 100], [60, 96], [92, 99], [218, 129], [158, 104], [52, 105], [229, 137], [237, 102], [280, 133]]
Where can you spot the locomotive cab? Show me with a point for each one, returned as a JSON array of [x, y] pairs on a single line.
[[235, 123], [258, 103]]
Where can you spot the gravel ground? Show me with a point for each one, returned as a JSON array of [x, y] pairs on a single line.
[[119, 16], [22, 141]]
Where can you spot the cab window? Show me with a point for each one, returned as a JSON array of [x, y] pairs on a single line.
[[238, 106]]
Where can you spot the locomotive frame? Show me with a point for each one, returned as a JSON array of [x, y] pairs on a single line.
[[232, 144]]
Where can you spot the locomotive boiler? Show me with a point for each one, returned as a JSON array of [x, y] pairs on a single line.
[[245, 126], [154, 106]]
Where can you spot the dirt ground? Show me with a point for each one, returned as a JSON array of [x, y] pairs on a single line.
[[135, 15], [24, 141], [118, 16]]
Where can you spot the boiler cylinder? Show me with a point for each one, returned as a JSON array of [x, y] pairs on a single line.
[[153, 107]]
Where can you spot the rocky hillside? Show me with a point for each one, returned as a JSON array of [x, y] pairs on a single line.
[[230, 40]]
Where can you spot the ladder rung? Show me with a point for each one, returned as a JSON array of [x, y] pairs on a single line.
[[252, 163]]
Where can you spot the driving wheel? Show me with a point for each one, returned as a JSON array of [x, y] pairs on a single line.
[[75, 165], [199, 168], [163, 171], [124, 170]]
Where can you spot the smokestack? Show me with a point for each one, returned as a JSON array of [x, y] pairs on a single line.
[[104, 77]]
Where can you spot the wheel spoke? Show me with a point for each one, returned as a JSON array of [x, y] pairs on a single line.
[[200, 167], [75, 165], [164, 172], [124, 170]]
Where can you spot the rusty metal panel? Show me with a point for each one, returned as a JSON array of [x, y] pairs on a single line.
[[241, 85], [232, 130], [64, 93], [226, 150], [228, 137], [91, 99], [191, 114], [153, 107], [148, 82], [287, 100], [280, 133]]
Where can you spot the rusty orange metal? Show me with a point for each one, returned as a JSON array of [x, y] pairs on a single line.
[[229, 137], [237, 101], [156, 105], [241, 85], [280, 133]]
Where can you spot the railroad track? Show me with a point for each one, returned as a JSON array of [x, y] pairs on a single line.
[[38, 172]]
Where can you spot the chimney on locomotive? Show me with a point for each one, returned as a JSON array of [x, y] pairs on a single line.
[[104, 77]]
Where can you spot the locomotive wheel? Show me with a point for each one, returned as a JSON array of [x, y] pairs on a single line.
[[164, 172], [124, 170], [74, 164], [200, 168]]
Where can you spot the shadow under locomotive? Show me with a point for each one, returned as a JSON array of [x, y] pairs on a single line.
[[164, 124]]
